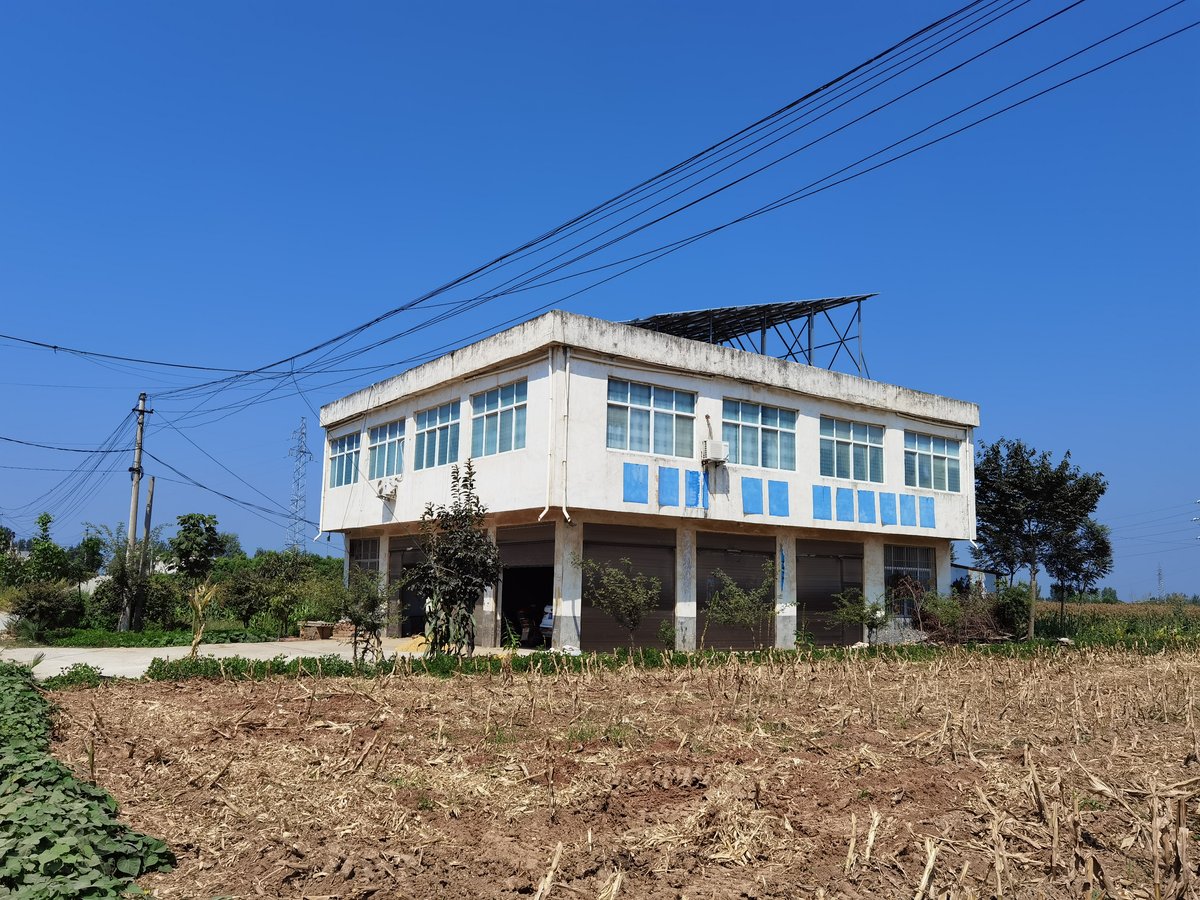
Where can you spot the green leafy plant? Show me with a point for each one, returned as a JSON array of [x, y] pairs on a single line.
[[739, 607], [44, 605], [625, 594], [666, 634], [851, 609]]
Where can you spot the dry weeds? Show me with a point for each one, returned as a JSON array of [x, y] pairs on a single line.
[[1072, 775]]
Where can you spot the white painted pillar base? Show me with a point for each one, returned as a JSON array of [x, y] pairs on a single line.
[[785, 591], [685, 589], [874, 585], [568, 584], [487, 619]]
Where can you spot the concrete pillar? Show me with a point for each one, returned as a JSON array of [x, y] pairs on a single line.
[[785, 591], [685, 589], [568, 583], [874, 585], [941, 561], [487, 619]]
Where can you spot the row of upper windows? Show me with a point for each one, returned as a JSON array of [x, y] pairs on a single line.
[[648, 418], [497, 426]]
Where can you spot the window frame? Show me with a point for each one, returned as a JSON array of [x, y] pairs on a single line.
[[343, 459], [483, 413], [733, 432], [920, 447], [837, 436], [654, 410], [445, 431], [389, 440], [903, 606]]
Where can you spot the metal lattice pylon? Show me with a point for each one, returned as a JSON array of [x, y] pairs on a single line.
[[301, 455]]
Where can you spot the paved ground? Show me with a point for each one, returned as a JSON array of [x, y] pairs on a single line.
[[132, 662]]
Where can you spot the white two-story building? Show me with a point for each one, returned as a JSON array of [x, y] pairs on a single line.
[[604, 440]]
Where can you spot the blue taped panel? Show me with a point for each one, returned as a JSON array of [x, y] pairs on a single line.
[[704, 491], [691, 489], [752, 501], [887, 509], [668, 486], [822, 502], [637, 483], [927, 513], [908, 509], [777, 498], [845, 505], [866, 507]]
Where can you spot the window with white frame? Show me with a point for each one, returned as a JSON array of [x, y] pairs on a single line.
[[437, 436], [851, 450], [343, 459], [498, 419], [650, 419], [931, 462], [908, 573], [387, 449], [759, 435], [364, 554]]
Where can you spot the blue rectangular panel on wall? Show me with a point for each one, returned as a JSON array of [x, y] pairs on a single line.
[[887, 509], [668, 486], [752, 499], [704, 490], [777, 498], [695, 486], [927, 520], [637, 483], [866, 507], [908, 509], [845, 505], [822, 502]]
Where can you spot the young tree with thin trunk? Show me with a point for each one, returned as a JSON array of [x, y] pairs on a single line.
[[196, 546], [1026, 506]]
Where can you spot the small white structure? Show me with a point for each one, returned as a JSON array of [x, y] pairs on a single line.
[[597, 439]]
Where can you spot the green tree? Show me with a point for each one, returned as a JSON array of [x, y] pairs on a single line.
[[624, 593], [1078, 559], [47, 561], [365, 605], [739, 607], [460, 561], [1025, 504], [196, 546]]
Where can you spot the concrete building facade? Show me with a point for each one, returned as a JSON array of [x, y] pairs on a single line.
[[592, 439]]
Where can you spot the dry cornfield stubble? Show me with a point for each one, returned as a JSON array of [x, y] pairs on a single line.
[[1063, 775]]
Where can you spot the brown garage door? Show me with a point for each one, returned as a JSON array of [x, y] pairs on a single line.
[[823, 569], [651, 551], [742, 558]]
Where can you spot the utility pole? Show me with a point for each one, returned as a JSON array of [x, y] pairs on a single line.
[[136, 471]]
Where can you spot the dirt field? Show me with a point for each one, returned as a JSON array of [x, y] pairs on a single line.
[[1075, 774]]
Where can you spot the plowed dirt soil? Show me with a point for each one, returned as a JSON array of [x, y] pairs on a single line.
[[1065, 775]]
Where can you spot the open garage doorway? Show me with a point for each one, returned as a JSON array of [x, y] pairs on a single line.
[[526, 592]]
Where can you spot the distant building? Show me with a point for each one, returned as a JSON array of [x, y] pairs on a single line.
[[597, 439]]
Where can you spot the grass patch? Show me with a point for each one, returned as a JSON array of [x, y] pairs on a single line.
[[97, 637]]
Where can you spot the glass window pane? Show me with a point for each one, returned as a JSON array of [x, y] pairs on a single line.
[[618, 428], [875, 434], [910, 441], [939, 473], [519, 429], [454, 442], [924, 442], [876, 458], [952, 475], [951, 448], [787, 419], [506, 430], [924, 470], [770, 417], [443, 445], [858, 432], [750, 413], [685, 402], [910, 468], [522, 391], [729, 434], [430, 449], [842, 457], [826, 427], [860, 462], [749, 443], [477, 438], [827, 458], [842, 428], [664, 398], [770, 448], [730, 410], [684, 429], [639, 430], [787, 451], [490, 428], [639, 394], [419, 462], [493, 399], [618, 390], [939, 446], [507, 392], [476, 404], [664, 433]]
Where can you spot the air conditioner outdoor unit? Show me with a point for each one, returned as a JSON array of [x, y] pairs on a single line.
[[387, 489], [715, 452]]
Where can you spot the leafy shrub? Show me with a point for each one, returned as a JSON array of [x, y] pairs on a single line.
[[1011, 608], [78, 675], [42, 605], [94, 637], [59, 836]]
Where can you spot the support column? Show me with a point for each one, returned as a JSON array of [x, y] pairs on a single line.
[[942, 562], [568, 583], [874, 585], [685, 588], [785, 591], [487, 620]]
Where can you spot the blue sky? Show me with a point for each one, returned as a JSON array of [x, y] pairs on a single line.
[[225, 184]]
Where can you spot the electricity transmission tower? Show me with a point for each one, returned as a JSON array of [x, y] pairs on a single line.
[[296, 521]]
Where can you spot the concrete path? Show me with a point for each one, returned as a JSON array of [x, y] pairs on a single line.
[[132, 662]]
